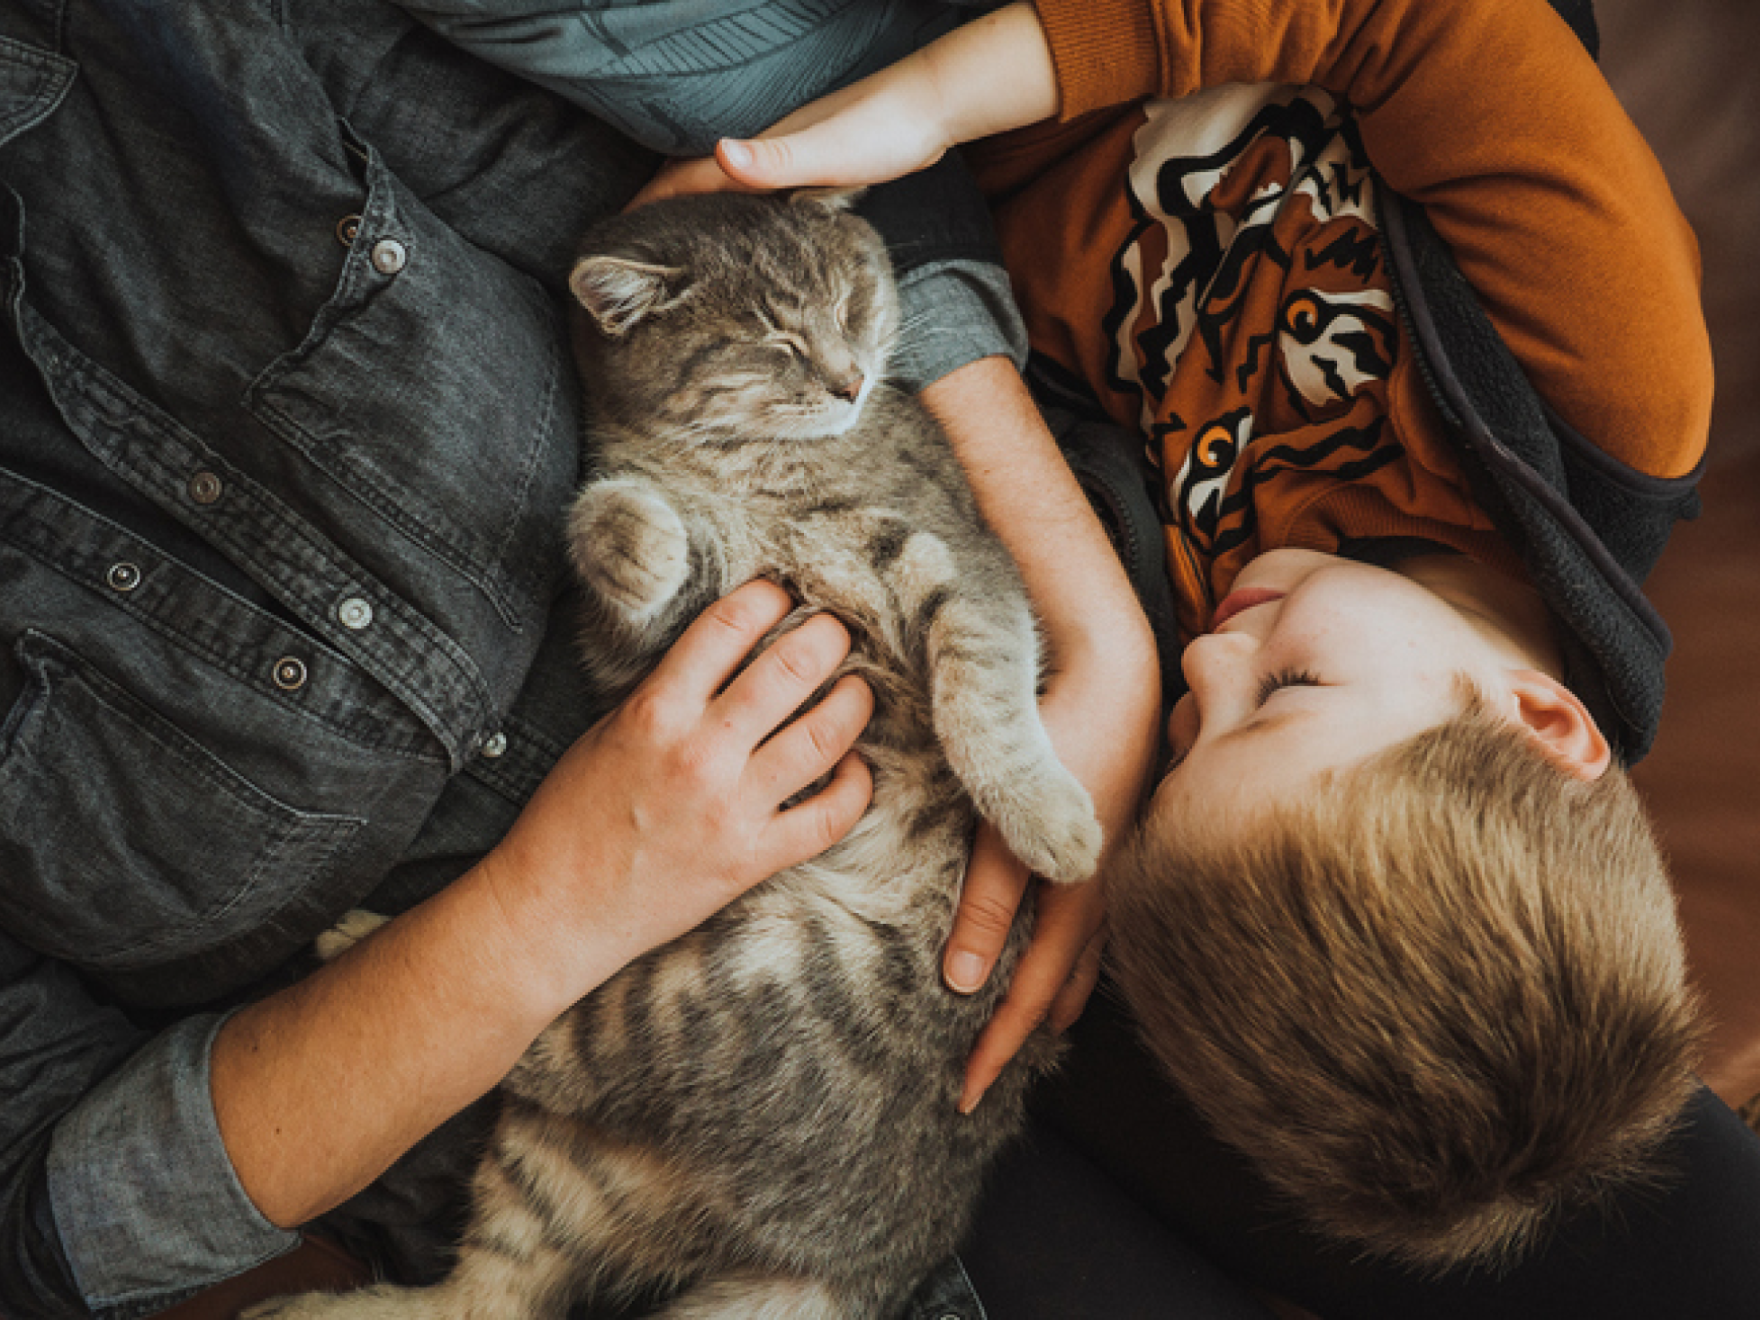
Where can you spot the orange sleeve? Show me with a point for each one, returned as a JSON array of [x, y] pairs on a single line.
[[1491, 114]]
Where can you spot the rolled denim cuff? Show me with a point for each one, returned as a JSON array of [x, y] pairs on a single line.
[[146, 1201], [954, 312]]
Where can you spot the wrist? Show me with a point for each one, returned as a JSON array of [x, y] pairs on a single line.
[[546, 955], [993, 74], [318, 1088]]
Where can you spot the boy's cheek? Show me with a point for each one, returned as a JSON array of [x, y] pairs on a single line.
[[1182, 727]]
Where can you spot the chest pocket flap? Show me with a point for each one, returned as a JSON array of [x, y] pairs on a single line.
[[129, 843], [32, 83]]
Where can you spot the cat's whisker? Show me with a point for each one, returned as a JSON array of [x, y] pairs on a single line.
[[909, 325]]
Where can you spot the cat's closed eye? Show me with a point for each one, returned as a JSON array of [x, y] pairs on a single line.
[[791, 344]]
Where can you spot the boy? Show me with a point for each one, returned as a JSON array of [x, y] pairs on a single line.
[[1393, 923]]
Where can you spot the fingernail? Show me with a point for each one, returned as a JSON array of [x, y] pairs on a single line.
[[965, 972], [968, 1100], [736, 154]]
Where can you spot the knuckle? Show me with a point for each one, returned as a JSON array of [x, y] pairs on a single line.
[[749, 611], [987, 914], [829, 825], [806, 655], [651, 713], [798, 664], [851, 704], [833, 727], [775, 154], [827, 741], [697, 767], [835, 811]]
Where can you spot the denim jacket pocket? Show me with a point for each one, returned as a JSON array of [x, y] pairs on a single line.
[[32, 83], [130, 843], [436, 388]]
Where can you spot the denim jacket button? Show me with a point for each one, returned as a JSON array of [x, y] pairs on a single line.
[[289, 674], [389, 256], [348, 229], [495, 745], [123, 577], [205, 487], [355, 613]]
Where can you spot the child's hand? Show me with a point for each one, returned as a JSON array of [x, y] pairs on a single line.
[[993, 74], [883, 127], [1107, 743], [1055, 976], [1101, 704]]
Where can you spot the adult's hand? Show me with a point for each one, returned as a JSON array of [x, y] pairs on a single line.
[[660, 814], [673, 804]]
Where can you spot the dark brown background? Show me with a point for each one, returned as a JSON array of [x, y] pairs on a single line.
[[1685, 70]]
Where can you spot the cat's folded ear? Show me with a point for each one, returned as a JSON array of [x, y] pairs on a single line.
[[618, 292], [829, 199]]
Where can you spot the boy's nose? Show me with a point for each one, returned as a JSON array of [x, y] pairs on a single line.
[[1216, 664]]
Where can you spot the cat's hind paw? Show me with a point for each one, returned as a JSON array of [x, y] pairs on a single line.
[[356, 924], [298, 1306], [381, 1301]]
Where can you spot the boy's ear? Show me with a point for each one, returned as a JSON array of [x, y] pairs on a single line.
[[1557, 717], [618, 292]]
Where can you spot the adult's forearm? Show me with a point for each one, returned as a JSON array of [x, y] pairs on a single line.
[[320, 1088]]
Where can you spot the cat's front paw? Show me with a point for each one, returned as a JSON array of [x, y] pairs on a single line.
[[629, 546], [1049, 823]]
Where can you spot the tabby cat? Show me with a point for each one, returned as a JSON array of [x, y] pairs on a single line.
[[759, 1119]]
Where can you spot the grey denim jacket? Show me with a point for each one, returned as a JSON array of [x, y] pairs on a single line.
[[287, 427]]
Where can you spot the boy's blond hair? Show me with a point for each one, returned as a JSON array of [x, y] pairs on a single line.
[[1436, 1001]]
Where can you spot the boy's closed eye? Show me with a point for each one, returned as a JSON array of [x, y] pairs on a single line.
[[1284, 678]]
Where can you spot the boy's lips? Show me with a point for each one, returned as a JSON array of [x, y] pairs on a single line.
[[1242, 599]]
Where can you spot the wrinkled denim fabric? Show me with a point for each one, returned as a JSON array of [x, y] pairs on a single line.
[[287, 429], [676, 75]]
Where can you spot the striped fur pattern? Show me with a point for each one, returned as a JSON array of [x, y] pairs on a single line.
[[759, 1120]]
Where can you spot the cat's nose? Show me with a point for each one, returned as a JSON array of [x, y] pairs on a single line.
[[849, 389]]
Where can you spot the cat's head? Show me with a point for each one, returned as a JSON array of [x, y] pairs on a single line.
[[762, 315]]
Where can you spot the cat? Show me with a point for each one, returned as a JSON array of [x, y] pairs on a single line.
[[759, 1119]]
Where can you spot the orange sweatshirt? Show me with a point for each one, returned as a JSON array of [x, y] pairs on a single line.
[[1207, 261]]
